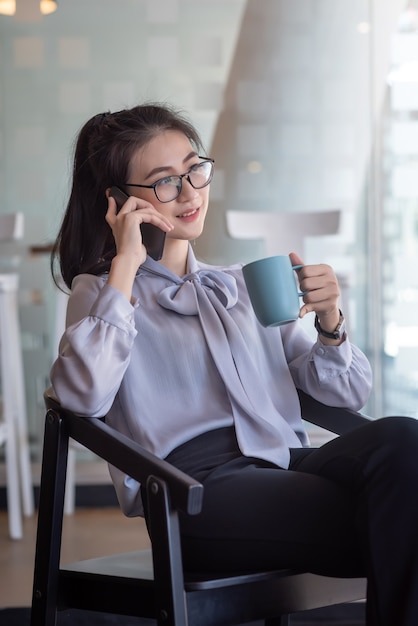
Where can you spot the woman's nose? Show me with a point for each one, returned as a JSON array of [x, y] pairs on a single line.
[[187, 189]]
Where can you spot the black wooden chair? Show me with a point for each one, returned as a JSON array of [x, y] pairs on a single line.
[[152, 583]]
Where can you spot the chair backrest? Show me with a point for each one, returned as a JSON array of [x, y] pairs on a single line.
[[282, 232]]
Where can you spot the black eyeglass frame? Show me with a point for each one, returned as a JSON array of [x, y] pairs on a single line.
[[180, 177]]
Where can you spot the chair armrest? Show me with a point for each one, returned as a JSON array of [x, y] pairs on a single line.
[[118, 450], [335, 419], [137, 462]]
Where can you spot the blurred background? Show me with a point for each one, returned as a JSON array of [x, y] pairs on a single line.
[[306, 106]]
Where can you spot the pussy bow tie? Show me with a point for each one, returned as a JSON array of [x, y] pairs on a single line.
[[212, 294], [183, 297]]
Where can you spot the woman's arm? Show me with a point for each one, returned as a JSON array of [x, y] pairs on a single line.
[[95, 349], [335, 375], [333, 370]]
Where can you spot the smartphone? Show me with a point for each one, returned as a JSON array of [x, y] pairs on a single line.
[[153, 237]]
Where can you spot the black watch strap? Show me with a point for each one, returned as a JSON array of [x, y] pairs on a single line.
[[337, 333]]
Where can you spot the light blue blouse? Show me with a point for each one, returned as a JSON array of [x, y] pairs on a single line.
[[188, 355]]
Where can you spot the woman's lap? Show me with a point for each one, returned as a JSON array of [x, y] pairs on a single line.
[[258, 515], [316, 515], [265, 517]]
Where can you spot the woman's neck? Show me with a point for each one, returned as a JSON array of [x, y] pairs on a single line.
[[175, 256]]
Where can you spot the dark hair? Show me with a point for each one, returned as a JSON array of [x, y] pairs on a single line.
[[103, 152]]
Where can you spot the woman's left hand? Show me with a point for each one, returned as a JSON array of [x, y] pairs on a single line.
[[322, 292]]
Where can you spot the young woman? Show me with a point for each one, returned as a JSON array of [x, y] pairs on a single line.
[[171, 352]]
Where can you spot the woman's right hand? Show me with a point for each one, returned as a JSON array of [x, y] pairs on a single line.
[[125, 225], [130, 250]]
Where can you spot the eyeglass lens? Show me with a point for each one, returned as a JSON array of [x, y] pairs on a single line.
[[199, 176]]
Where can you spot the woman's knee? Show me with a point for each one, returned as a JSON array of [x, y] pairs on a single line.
[[397, 439], [399, 430]]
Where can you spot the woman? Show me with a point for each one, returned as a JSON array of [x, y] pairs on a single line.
[[172, 353]]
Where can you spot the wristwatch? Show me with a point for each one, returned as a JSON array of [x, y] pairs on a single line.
[[337, 333]]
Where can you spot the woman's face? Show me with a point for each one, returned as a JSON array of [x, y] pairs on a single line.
[[171, 154]]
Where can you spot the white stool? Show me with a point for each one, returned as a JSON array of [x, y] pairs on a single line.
[[61, 301], [13, 430]]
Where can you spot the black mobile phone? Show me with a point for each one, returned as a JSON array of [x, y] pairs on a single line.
[[153, 237]]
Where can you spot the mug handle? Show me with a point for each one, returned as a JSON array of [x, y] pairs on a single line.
[[298, 267]]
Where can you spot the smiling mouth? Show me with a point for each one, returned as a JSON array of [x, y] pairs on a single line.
[[188, 213]]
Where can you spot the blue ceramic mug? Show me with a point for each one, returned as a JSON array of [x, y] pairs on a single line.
[[273, 291]]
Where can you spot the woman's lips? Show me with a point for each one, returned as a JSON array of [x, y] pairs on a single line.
[[188, 216]]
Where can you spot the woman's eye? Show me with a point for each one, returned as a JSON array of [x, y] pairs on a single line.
[[166, 181]]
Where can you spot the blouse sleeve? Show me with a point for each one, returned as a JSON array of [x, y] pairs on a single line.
[[335, 375], [95, 349]]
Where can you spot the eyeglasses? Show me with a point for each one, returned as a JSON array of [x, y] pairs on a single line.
[[169, 188]]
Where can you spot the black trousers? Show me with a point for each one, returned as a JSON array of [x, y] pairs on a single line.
[[348, 508]]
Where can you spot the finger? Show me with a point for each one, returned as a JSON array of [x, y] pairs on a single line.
[[315, 308], [320, 301], [314, 278], [308, 308], [139, 210], [111, 210], [295, 259], [132, 204], [315, 293], [153, 217], [304, 310]]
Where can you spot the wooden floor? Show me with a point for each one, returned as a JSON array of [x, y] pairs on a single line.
[[88, 533]]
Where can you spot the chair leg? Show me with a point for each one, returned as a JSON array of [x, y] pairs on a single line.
[[20, 416], [69, 502], [50, 517], [9, 434], [168, 573], [14, 391], [12, 470]]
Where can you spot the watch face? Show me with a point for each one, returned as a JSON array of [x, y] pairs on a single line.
[[341, 330]]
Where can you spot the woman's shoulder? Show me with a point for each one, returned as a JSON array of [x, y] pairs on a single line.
[[92, 295], [85, 289], [88, 281]]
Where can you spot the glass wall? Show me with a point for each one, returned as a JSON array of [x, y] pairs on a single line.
[[320, 115], [55, 72], [306, 106], [399, 170]]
